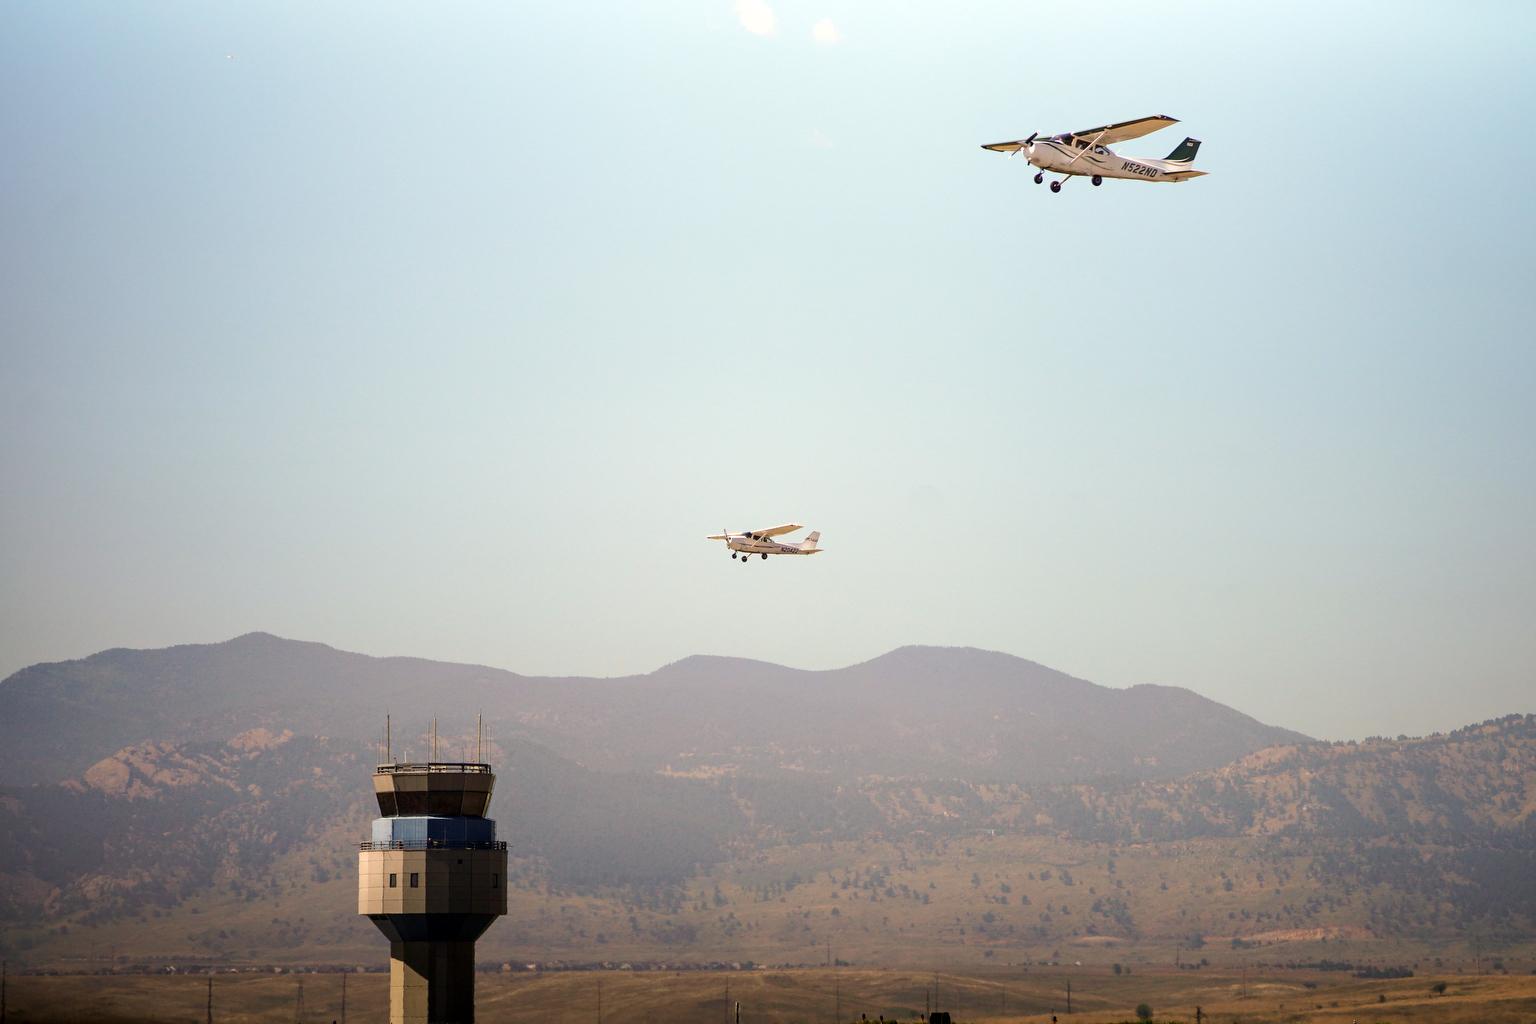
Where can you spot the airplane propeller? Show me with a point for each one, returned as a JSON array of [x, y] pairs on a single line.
[[1023, 145]]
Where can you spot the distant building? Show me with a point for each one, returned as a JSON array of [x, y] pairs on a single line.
[[433, 879]]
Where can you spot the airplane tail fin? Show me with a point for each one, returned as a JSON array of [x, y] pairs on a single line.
[[809, 544], [1185, 153]]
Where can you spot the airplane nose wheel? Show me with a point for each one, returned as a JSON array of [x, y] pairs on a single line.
[[1040, 178], [733, 556], [1098, 179], [1055, 186]]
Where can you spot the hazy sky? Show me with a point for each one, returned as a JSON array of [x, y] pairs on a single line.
[[452, 329]]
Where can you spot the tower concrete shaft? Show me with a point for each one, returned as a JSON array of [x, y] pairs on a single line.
[[433, 879]]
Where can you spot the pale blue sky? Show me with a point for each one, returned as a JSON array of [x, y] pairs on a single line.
[[451, 330]]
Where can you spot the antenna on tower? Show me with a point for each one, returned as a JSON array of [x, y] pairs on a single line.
[[434, 737], [388, 742], [479, 736]]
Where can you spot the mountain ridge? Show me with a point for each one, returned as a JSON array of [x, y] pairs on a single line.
[[914, 710]]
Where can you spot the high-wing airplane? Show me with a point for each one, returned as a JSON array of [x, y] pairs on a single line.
[[761, 542], [1087, 153]]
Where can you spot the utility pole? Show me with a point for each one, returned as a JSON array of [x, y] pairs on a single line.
[[738, 1012], [298, 1003], [727, 1013], [1199, 1016]]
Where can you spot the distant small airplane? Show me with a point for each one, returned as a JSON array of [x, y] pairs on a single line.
[[761, 542], [1087, 154]]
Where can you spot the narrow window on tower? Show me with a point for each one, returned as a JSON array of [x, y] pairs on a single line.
[[394, 880], [415, 880], [495, 879]]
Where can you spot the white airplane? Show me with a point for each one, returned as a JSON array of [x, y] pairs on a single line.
[[1087, 153], [761, 542]]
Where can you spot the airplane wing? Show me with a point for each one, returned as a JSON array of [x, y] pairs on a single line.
[[1114, 133], [1006, 147], [774, 531]]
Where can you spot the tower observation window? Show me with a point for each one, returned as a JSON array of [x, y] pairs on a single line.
[[495, 878], [415, 880], [394, 880]]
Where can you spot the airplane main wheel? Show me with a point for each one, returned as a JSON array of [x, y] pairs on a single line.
[[1040, 178], [733, 555], [765, 556], [1098, 179], [1055, 186]]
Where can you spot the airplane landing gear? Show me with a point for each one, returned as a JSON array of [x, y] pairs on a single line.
[[1098, 179], [1040, 178], [733, 554], [765, 556], [1055, 186]]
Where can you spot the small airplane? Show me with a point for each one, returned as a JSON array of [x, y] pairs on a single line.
[[1087, 154], [761, 542]]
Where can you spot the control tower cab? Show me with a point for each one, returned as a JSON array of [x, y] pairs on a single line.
[[433, 879]]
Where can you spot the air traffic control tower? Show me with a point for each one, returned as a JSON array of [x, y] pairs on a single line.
[[433, 878]]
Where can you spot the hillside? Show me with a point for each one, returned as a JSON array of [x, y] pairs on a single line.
[[242, 848], [917, 711]]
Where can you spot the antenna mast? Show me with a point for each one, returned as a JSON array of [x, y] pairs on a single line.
[[479, 742], [388, 741]]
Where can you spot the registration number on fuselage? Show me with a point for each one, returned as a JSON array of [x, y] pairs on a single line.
[[1135, 168]]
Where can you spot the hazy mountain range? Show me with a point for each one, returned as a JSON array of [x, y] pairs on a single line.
[[913, 712], [717, 804]]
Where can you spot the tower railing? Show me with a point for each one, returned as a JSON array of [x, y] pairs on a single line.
[[431, 767], [430, 844]]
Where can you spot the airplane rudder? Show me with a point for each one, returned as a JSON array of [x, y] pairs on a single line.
[[1185, 151]]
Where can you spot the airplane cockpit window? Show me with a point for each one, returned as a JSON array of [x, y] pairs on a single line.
[[1063, 139], [1100, 150]]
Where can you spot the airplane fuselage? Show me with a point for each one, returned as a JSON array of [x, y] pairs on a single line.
[[742, 542], [1066, 158]]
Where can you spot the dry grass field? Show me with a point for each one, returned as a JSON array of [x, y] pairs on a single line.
[[798, 997]]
